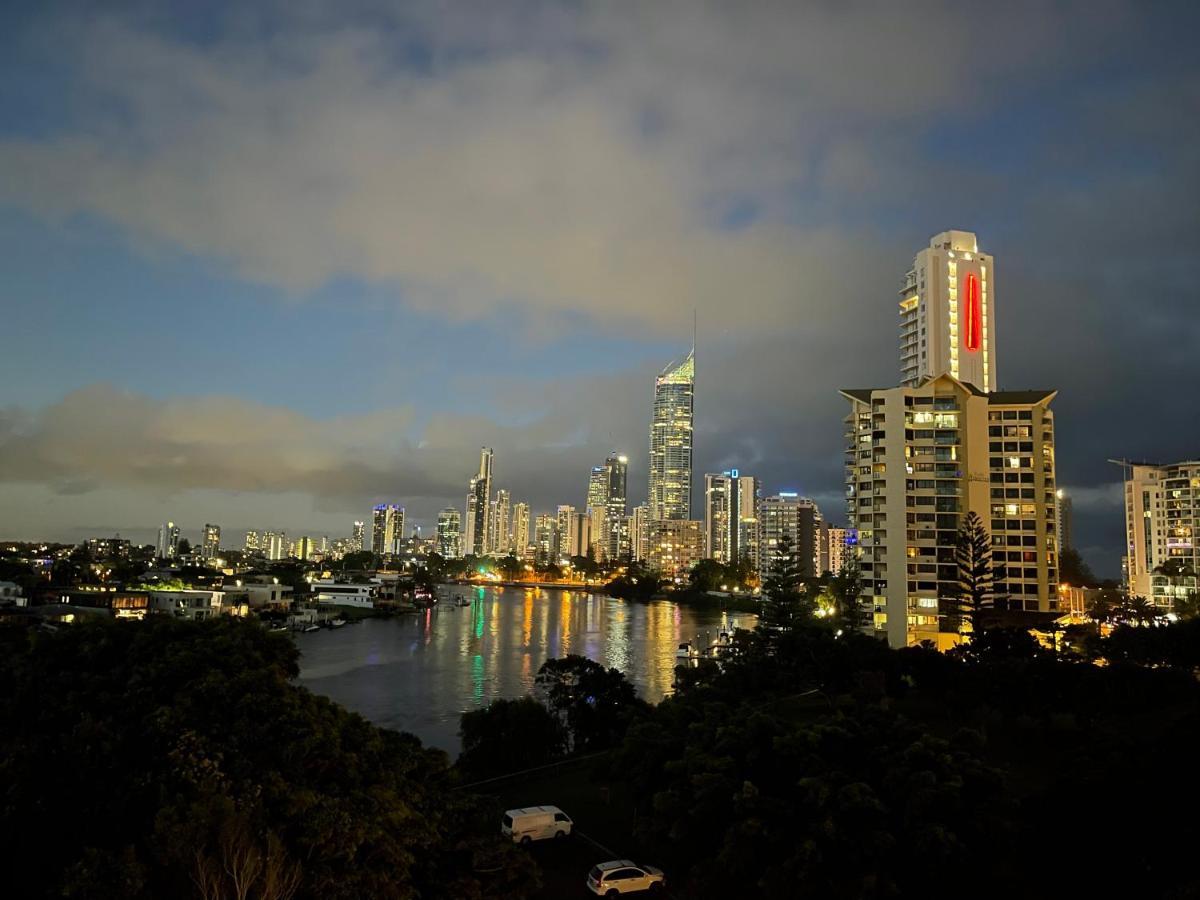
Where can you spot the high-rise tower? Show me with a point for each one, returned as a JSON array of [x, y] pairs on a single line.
[[476, 520], [948, 313], [671, 441]]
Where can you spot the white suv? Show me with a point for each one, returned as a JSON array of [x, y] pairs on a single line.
[[621, 876]]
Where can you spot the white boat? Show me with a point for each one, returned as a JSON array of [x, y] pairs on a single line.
[[311, 627], [686, 651], [337, 623]]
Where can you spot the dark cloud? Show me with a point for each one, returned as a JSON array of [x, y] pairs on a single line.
[[773, 166]]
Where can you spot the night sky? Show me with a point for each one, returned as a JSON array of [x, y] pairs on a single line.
[[265, 267]]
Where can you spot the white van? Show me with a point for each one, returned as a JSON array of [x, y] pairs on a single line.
[[536, 823]]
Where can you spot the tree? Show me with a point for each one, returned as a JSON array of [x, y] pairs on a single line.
[[509, 735], [511, 567], [975, 594], [184, 548], [360, 559], [240, 775], [591, 700], [844, 589], [784, 601], [586, 565], [1073, 569], [1188, 607], [708, 575]]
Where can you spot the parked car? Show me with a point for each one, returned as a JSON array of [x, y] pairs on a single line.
[[622, 876], [536, 823]]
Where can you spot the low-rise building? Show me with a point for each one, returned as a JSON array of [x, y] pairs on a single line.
[[336, 593]]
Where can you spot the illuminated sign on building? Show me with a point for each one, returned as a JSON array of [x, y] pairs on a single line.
[[974, 314]]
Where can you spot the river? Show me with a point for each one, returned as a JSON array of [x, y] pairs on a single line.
[[419, 672]]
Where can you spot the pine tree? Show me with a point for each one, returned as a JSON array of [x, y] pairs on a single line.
[[784, 600], [975, 595]]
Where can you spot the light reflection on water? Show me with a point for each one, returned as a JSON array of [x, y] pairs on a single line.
[[421, 671]]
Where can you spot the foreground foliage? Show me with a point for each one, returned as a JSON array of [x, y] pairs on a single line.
[[174, 759], [818, 766]]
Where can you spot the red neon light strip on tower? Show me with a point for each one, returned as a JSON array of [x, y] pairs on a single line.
[[974, 315]]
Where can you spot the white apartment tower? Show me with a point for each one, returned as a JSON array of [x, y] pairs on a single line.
[[1162, 528], [947, 313]]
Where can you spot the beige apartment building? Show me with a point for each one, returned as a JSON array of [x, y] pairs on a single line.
[[918, 460]]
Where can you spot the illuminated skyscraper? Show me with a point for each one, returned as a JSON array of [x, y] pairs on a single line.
[[545, 536], [449, 535], [607, 504], [272, 544], [476, 521], [1162, 529], [796, 519], [730, 516], [168, 541], [387, 529], [671, 442], [252, 542], [357, 538], [948, 312], [520, 527], [562, 532], [498, 534], [210, 543]]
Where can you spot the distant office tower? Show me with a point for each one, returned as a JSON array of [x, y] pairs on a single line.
[[274, 544], [948, 313], [616, 506], [210, 542], [520, 527], [730, 505], [498, 533], [168, 541], [1162, 528], [675, 546], [252, 544], [671, 442], [796, 519], [358, 538], [918, 460], [1064, 520], [545, 537], [387, 529], [562, 524], [305, 548], [449, 533], [834, 549], [606, 502], [597, 492], [476, 522], [579, 537], [638, 534]]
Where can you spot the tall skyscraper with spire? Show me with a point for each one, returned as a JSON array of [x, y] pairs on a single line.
[[671, 441], [476, 521]]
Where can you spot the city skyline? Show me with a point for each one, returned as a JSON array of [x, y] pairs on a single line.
[[778, 194]]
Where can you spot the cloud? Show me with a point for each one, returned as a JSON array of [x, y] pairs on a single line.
[[583, 162]]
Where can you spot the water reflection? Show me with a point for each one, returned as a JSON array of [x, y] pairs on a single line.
[[420, 672]]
